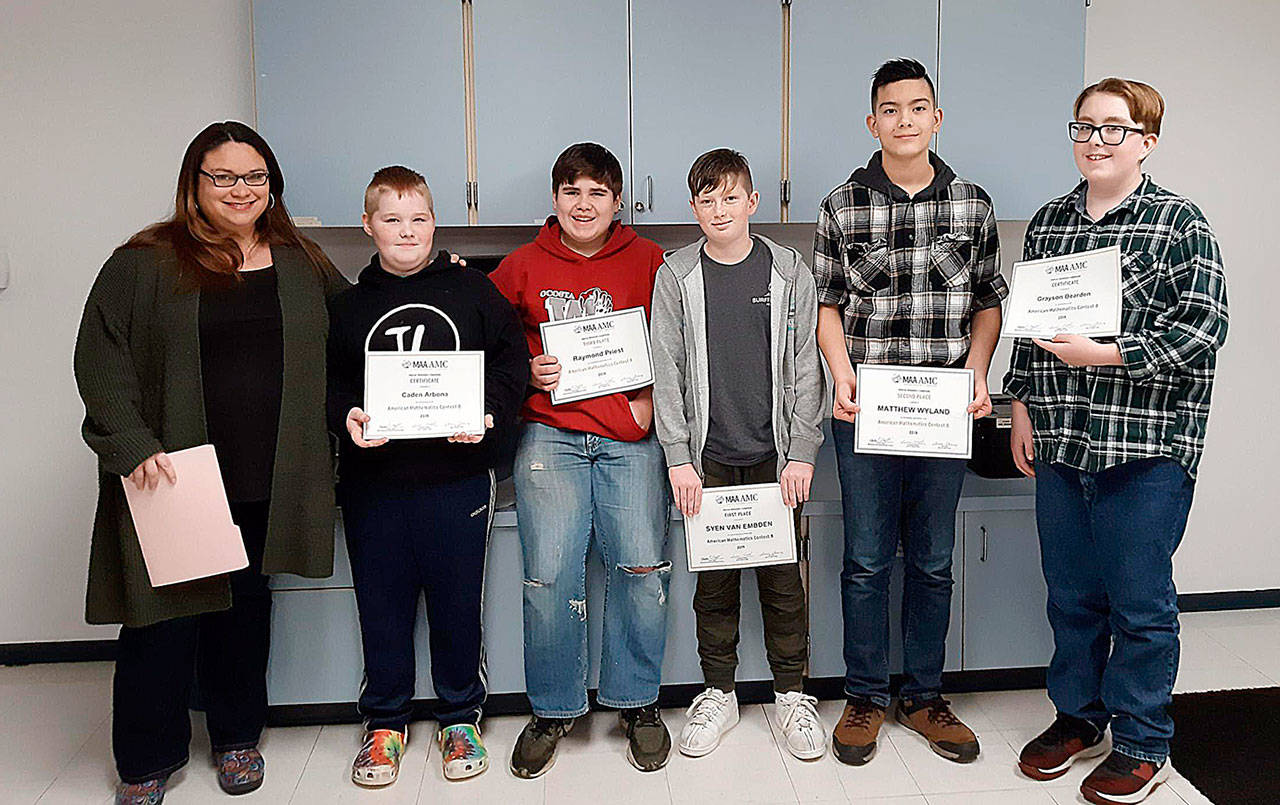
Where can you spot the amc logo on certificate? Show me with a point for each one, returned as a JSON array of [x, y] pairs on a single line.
[[914, 411]]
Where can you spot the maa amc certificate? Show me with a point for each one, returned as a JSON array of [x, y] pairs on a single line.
[[914, 411], [599, 354], [1075, 294], [423, 395], [740, 526]]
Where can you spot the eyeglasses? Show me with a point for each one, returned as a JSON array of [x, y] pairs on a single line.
[[252, 178], [1111, 134]]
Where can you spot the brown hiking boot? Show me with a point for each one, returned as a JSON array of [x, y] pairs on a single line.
[[947, 734], [854, 739]]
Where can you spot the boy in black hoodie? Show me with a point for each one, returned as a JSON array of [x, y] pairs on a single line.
[[418, 512]]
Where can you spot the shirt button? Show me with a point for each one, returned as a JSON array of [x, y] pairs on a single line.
[[911, 238]]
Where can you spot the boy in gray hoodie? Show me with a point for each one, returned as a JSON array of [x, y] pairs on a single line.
[[738, 393]]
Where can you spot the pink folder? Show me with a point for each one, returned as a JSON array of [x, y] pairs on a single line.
[[185, 529]]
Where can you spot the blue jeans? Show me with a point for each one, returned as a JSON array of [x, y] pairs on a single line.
[[1106, 543], [571, 486], [887, 500]]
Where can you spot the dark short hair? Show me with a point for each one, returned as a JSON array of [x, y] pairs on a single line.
[[591, 160], [717, 167], [900, 70]]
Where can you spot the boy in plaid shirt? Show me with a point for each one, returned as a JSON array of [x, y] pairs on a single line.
[[1113, 432], [906, 260]]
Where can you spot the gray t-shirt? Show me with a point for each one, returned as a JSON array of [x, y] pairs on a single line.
[[740, 428]]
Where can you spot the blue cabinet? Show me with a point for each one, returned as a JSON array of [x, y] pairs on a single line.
[[547, 75], [703, 75], [836, 46], [346, 88], [1010, 70]]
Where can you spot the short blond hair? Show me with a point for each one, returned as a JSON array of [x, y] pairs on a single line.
[[1146, 105], [398, 179]]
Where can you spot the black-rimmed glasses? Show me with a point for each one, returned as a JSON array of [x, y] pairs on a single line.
[[252, 178], [1111, 133]]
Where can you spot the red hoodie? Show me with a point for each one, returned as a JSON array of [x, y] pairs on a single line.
[[547, 281]]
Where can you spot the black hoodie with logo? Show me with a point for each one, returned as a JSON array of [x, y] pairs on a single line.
[[422, 312]]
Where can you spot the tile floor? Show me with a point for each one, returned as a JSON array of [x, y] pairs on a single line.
[[55, 748]]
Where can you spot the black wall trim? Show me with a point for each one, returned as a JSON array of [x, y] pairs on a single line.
[[1238, 599], [57, 651]]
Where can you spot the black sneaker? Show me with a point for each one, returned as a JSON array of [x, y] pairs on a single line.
[[1122, 779], [535, 749], [648, 742], [1050, 754]]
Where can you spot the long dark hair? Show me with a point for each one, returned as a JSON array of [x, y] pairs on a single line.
[[205, 255]]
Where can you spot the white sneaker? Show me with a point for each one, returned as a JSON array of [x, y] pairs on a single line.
[[798, 716], [712, 714]]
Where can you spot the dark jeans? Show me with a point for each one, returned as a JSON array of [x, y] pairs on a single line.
[[889, 500], [1106, 543], [717, 601], [431, 539], [158, 664]]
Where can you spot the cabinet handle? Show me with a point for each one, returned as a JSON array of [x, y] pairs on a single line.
[[640, 205], [983, 556]]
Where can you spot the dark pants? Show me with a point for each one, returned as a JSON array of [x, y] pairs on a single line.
[[433, 539], [227, 650], [1106, 543], [717, 601], [889, 500]]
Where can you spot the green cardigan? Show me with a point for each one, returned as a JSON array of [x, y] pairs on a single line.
[[137, 365]]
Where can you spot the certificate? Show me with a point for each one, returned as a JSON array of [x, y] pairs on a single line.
[[422, 395], [599, 354], [914, 411], [1077, 294], [740, 526]]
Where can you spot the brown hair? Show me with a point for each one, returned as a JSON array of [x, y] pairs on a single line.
[[1146, 105], [398, 179], [591, 160], [205, 255], [717, 167]]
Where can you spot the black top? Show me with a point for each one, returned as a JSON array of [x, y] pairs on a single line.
[[242, 369], [442, 307], [739, 372]]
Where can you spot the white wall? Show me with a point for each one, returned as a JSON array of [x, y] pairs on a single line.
[[1217, 66], [97, 102]]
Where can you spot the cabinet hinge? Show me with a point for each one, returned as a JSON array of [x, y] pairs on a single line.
[[784, 191], [473, 194]]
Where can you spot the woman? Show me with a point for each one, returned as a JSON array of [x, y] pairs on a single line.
[[207, 327]]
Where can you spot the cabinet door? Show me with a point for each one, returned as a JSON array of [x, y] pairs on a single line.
[[1004, 593], [704, 75], [836, 47], [546, 77], [344, 89], [315, 647], [1010, 70]]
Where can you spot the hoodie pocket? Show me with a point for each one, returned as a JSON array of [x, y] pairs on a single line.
[[866, 265]]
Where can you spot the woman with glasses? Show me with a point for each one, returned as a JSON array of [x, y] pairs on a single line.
[[207, 327], [1113, 431]]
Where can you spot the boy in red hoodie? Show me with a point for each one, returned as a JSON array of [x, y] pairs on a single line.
[[588, 469]]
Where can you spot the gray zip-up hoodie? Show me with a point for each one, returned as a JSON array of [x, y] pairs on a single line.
[[678, 332]]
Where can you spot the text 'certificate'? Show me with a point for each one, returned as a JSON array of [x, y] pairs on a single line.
[[599, 354], [1075, 294], [914, 411], [740, 526], [423, 395]]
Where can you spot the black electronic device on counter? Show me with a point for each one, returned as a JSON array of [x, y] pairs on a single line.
[[992, 457]]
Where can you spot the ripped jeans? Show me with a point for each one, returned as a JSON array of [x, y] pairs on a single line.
[[572, 487]]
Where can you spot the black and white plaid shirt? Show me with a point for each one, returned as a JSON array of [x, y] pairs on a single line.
[[907, 272], [1173, 320]]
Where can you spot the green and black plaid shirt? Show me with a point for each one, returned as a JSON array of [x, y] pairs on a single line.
[[1173, 321]]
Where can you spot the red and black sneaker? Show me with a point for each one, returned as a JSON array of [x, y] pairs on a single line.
[[1050, 754], [1123, 779]]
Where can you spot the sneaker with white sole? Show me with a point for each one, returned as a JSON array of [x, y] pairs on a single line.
[[712, 714], [798, 717]]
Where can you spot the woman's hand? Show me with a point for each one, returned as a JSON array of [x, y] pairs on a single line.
[[472, 438], [147, 474], [355, 420]]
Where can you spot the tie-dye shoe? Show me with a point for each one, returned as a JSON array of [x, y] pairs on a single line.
[[462, 751], [240, 770], [378, 761], [149, 793]]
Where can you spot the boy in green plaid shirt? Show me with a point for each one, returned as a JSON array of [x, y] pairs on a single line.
[[1113, 432]]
